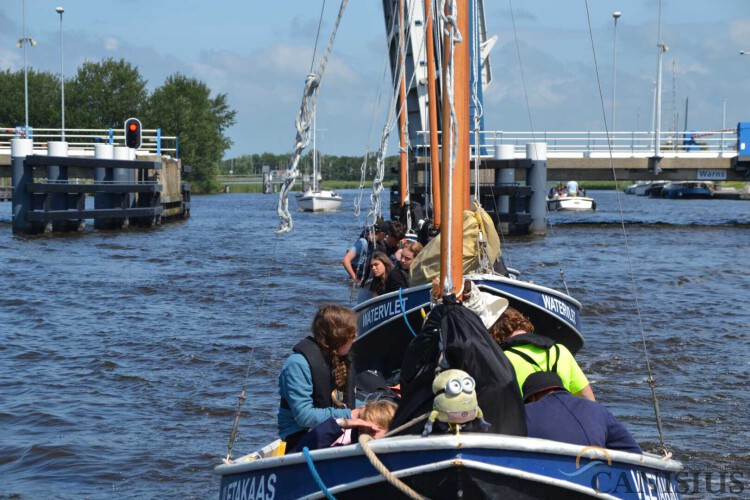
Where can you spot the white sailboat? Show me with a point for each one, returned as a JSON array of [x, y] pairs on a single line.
[[315, 199]]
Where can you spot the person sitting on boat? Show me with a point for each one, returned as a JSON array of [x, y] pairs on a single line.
[[530, 352], [374, 419], [399, 276], [572, 188], [380, 266], [318, 375], [356, 261], [408, 238], [396, 233], [554, 413]]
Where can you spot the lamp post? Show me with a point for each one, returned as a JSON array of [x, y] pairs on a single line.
[[60, 11], [616, 15], [23, 42], [657, 126], [661, 49]]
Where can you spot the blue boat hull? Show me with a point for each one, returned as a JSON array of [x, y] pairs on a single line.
[[387, 323], [447, 467]]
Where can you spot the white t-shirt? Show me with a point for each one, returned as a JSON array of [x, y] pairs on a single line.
[[572, 188]]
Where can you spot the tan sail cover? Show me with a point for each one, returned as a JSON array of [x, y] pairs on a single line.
[[426, 266]]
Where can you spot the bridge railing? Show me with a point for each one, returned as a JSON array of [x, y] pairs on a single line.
[[573, 144], [81, 141]]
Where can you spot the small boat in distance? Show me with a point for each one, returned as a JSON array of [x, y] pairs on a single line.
[[319, 200], [569, 198], [314, 199], [571, 203], [688, 190]]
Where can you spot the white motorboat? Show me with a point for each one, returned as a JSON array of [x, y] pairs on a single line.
[[571, 203]]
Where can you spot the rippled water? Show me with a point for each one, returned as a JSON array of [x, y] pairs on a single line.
[[123, 353]]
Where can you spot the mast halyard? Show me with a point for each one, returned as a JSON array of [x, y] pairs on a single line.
[[437, 209], [315, 187], [404, 159]]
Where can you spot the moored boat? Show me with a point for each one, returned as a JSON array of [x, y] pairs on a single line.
[[688, 190]]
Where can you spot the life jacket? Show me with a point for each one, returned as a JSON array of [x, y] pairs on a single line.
[[545, 343], [322, 376]]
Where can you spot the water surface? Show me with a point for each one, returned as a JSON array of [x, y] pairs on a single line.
[[123, 353]]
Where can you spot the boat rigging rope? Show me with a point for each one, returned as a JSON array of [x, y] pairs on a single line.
[[364, 442], [478, 111], [651, 381], [242, 397], [302, 124]]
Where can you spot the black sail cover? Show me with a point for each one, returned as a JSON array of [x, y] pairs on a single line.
[[467, 346]]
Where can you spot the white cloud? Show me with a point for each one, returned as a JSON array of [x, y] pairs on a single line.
[[111, 43]]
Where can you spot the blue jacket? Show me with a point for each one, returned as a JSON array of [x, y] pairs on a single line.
[[296, 386], [560, 416]]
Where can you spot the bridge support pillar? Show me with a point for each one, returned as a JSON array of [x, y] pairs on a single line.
[[103, 176], [504, 176], [537, 180], [55, 175], [123, 176], [20, 178]]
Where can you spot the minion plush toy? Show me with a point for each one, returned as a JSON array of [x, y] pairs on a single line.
[[455, 401]]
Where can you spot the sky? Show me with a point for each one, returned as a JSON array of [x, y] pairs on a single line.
[[258, 53]]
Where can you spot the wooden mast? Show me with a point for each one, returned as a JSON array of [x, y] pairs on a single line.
[[403, 180], [432, 109], [455, 187]]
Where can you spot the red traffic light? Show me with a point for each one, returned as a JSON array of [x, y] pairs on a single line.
[[133, 133]]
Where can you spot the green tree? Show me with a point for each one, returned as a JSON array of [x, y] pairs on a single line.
[[105, 94], [183, 107], [44, 99]]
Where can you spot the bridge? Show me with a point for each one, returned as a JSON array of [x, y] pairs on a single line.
[[592, 155]]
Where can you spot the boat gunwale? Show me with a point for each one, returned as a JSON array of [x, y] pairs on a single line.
[[477, 278], [417, 443]]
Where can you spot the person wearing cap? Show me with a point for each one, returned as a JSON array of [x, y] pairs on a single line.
[[554, 413], [530, 352], [356, 261]]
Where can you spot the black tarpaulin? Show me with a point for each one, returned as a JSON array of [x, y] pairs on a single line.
[[468, 346]]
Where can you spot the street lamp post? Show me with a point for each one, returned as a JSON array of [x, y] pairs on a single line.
[[661, 48], [60, 11], [616, 15], [657, 126], [23, 42]]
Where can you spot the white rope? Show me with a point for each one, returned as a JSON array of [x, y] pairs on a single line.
[[476, 77], [302, 124]]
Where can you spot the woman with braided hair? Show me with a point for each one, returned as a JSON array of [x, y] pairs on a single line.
[[317, 381]]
